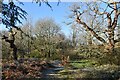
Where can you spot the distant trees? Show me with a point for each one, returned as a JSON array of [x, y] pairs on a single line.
[[74, 33], [24, 42], [45, 33]]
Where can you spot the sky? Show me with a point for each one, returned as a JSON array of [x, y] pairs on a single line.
[[58, 13]]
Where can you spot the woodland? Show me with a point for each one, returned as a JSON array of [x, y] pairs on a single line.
[[42, 51]]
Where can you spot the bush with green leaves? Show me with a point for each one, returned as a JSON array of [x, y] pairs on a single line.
[[35, 54]]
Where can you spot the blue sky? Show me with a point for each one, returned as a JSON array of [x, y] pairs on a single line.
[[59, 13]]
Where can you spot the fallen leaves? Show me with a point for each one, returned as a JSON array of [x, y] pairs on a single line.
[[23, 69]]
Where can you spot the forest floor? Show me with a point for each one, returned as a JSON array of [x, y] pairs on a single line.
[[44, 70]]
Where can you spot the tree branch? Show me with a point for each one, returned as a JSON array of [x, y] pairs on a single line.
[[114, 24], [22, 32], [109, 20], [117, 40], [90, 29]]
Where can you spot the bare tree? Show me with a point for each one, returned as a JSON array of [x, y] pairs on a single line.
[[45, 31], [111, 22]]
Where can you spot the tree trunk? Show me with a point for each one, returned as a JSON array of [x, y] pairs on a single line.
[[74, 39], [89, 39], [111, 27], [14, 52], [49, 54], [111, 42], [12, 45]]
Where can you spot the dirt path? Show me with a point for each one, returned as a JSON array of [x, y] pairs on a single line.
[[50, 72]]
